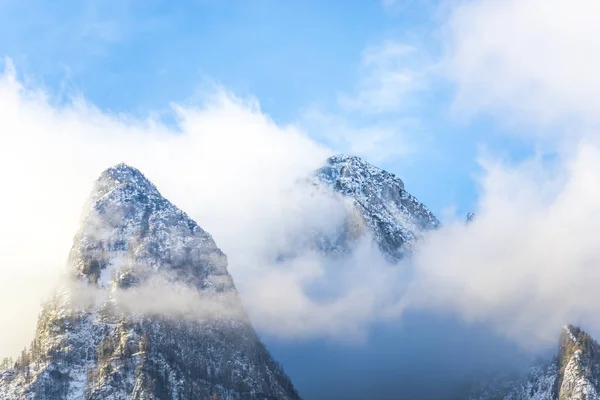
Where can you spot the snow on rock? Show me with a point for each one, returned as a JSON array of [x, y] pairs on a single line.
[[394, 217], [579, 366], [575, 384]]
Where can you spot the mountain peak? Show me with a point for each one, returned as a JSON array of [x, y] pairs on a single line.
[[346, 158], [126, 175], [578, 365], [355, 170], [571, 333], [131, 231], [154, 313], [395, 217], [574, 337]]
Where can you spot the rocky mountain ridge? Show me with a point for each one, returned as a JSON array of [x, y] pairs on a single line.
[[381, 205]]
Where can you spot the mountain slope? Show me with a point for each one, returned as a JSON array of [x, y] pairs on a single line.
[[394, 217], [150, 312], [573, 375]]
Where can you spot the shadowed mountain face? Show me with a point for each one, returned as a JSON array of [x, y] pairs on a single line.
[[574, 374], [150, 312]]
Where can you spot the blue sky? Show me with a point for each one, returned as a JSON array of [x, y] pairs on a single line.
[[296, 57]]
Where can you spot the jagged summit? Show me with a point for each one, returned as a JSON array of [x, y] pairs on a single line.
[[124, 176], [351, 173], [130, 231], [578, 366], [572, 333], [569, 335], [395, 217]]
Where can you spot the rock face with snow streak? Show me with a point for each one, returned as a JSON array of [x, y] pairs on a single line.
[[579, 366], [573, 375], [116, 330], [394, 217]]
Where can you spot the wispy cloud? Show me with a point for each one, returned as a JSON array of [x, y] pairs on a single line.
[[533, 60], [373, 119], [378, 141], [392, 73], [529, 263]]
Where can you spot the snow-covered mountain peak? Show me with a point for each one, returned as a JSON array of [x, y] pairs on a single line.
[[153, 313], [351, 174], [395, 217], [130, 232], [123, 175]]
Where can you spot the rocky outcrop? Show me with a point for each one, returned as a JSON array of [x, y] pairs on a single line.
[[578, 375], [380, 205]]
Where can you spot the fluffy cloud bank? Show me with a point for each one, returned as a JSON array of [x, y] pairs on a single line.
[[530, 262], [225, 163], [531, 61]]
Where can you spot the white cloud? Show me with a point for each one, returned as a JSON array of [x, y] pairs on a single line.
[[375, 141], [392, 73], [227, 164], [372, 119], [535, 61], [530, 262]]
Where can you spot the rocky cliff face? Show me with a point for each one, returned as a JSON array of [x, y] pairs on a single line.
[[117, 331], [578, 376], [379, 205], [573, 375]]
